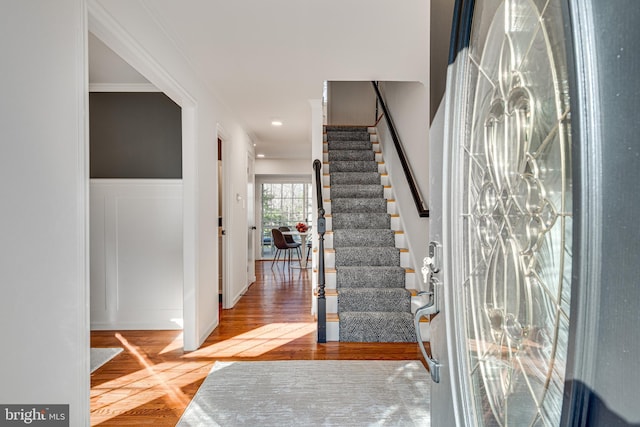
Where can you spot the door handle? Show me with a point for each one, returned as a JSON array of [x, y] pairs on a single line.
[[430, 267]]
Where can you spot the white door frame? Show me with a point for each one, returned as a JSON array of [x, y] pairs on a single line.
[[116, 38], [227, 299]]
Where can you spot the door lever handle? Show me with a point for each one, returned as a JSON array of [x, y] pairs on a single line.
[[432, 307], [430, 267]]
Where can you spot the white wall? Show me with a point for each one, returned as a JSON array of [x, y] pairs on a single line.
[[284, 167], [136, 254], [127, 29], [408, 104], [351, 103], [43, 169]]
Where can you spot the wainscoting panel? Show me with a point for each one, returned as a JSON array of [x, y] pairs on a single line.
[[136, 254]]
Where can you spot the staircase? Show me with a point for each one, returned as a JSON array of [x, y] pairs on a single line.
[[365, 266]]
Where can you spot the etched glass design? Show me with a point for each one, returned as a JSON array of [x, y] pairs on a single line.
[[515, 225]]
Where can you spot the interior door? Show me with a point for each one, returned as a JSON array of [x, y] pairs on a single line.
[[507, 216], [251, 220]]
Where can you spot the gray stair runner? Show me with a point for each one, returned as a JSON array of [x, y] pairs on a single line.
[[373, 304]]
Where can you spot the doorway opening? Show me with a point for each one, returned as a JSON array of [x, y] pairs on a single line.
[[283, 204]]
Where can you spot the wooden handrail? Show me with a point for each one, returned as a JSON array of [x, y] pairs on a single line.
[[421, 205], [321, 227]]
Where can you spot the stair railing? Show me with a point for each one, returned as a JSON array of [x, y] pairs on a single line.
[[321, 227], [421, 205]]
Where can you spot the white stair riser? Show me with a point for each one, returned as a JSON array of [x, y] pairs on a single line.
[[332, 303], [405, 259], [328, 241], [388, 193], [330, 280], [333, 331], [411, 281], [392, 207], [330, 259], [395, 223]]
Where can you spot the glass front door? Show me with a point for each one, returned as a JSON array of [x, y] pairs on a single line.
[[508, 215]]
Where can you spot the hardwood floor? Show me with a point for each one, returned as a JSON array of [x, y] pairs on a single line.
[[153, 380]]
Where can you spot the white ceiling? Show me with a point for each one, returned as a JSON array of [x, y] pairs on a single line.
[[266, 59]]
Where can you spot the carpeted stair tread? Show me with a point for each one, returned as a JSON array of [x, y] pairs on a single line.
[[357, 191], [358, 178], [347, 135], [350, 145], [375, 256], [331, 128], [345, 205], [354, 166], [376, 327], [351, 155], [360, 220], [370, 277], [364, 238], [374, 299]]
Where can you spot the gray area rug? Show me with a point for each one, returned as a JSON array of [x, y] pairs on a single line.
[[100, 356], [312, 393]]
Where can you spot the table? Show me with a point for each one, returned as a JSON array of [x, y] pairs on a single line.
[[303, 245]]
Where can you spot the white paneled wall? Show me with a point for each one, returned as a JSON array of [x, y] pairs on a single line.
[[136, 254]]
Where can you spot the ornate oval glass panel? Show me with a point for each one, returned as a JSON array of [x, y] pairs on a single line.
[[516, 220]]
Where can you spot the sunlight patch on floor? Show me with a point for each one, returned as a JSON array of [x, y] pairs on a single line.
[[153, 381], [256, 342], [176, 344], [165, 380]]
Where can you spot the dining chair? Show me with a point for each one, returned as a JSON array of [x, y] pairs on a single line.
[[282, 247], [287, 237]]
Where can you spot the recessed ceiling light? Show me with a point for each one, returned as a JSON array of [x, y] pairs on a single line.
[[276, 122], [261, 156]]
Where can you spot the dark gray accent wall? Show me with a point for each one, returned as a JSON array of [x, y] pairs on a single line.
[[134, 135]]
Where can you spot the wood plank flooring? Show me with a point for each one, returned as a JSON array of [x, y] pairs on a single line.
[[153, 380]]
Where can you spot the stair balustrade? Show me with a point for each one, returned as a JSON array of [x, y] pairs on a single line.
[[321, 227], [421, 205]]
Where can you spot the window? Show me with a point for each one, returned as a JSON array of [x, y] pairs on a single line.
[[283, 204]]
